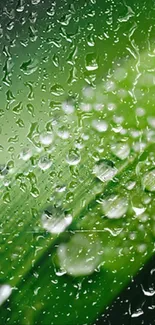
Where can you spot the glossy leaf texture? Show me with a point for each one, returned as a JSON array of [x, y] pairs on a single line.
[[77, 173]]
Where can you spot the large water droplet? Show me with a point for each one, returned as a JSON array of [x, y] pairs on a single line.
[[148, 181], [73, 158], [100, 125], [80, 256], [91, 62], [57, 90], [29, 66], [46, 138], [5, 292], [54, 220], [104, 170], [115, 206], [44, 163], [121, 150]]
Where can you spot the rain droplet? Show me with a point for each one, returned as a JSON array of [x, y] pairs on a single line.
[[148, 293], [44, 163], [3, 170], [115, 206], [121, 150], [73, 158], [57, 90], [104, 170], [137, 313], [100, 125], [46, 139], [91, 62], [148, 181], [35, 2], [5, 292], [80, 256], [29, 66], [54, 220]]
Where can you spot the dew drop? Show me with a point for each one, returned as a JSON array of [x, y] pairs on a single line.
[[73, 158], [91, 62], [57, 90], [44, 163], [5, 292], [54, 220], [104, 170], [46, 139], [100, 125], [121, 150], [29, 66], [115, 206], [148, 181], [80, 256]]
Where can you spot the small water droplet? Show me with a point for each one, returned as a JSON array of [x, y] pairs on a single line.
[[5, 292], [115, 206], [104, 170], [54, 220]]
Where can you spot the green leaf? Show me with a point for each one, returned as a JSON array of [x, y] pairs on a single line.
[[77, 183]]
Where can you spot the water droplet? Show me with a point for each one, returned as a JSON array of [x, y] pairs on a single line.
[[55, 60], [57, 90], [80, 256], [104, 170], [26, 154], [121, 150], [148, 293], [91, 62], [115, 206], [137, 313], [3, 170], [148, 181], [54, 220], [46, 139], [5, 292], [138, 211], [44, 163], [73, 157], [35, 2], [68, 108], [100, 125], [29, 66]]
